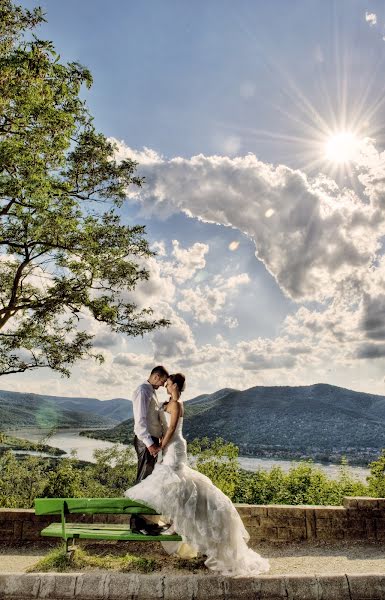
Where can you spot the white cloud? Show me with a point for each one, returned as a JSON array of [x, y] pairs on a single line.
[[321, 244], [159, 288], [159, 248], [319, 234], [232, 282], [231, 322], [203, 302], [174, 341], [187, 261], [128, 359], [371, 18]]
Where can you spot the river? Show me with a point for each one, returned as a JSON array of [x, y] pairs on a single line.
[[70, 440]]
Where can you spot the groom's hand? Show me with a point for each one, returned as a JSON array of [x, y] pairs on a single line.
[[154, 449]]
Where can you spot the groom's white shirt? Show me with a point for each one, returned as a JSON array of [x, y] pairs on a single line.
[[146, 416]]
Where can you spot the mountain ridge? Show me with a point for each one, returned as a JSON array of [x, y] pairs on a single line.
[[27, 409], [320, 421]]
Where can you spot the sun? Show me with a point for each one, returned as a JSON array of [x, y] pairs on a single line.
[[341, 148]]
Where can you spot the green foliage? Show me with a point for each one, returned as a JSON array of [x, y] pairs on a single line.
[[217, 460], [64, 252], [114, 471], [58, 560], [303, 484], [376, 478], [64, 481], [23, 480]]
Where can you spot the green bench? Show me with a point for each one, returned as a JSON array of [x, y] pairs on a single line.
[[95, 531]]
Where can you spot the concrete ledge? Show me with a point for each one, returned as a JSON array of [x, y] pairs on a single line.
[[100, 585]]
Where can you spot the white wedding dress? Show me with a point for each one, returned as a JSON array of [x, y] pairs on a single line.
[[203, 516]]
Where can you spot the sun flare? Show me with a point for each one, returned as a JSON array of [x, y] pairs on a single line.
[[341, 148]]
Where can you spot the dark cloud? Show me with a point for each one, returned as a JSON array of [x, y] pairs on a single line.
[[370, 351]]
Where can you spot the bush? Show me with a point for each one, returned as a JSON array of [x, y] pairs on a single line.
[[114, 471], [24, 479], [303, 484]]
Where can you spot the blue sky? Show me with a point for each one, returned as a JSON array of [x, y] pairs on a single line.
[[270, 83]]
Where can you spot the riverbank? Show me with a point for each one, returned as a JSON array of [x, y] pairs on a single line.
[[69, 440], [21, 445]]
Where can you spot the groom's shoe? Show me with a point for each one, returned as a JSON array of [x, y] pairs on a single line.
[[139, 525]]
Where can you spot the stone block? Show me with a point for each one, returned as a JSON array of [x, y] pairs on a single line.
[[240, 588], [269, 587], [100, 519], [180, 587], [291, 534], [381, 503], [12, 514], [288, 512], [380, 524], [127, 586], [258, 511], [367, 587], [333, 587], [17, 530], [301, 587], [210, 587], [324, 524], [251, 521], [370, 529], [380, 535], [6, 533], [267, 533], [92, 585], [22, 585], [249, 510], [119, 519], [364, 502], [280, 520], [349, 502], [310, 524], [328, 512], [325, 534], [31, 532], [57, 585]]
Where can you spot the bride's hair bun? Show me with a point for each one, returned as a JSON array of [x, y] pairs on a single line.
[[180, 380]]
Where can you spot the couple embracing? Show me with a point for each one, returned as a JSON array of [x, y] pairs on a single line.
[[191, 504]]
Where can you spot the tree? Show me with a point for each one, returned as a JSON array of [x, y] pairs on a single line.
[[64, 252]]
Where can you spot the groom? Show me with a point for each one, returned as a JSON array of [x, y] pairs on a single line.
[[148, 431], [147, 425]]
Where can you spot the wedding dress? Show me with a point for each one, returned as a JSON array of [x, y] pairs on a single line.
[[203, 516]]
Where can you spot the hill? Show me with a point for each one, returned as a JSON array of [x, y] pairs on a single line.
[[321, 421], [19, 410]]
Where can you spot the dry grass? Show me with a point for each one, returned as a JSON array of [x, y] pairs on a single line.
[[133, 557]]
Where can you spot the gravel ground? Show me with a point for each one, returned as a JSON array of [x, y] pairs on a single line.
[[305, 559]]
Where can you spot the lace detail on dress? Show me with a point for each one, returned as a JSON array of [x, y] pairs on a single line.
[[204, 516]]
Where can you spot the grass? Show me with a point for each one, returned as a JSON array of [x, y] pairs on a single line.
[[58, 560]]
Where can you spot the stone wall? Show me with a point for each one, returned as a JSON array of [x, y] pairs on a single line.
[[357, 519]]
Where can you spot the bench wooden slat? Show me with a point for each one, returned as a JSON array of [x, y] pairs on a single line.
[[103, 531], [54, 506]]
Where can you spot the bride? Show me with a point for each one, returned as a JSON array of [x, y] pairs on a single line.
[[203, 516]]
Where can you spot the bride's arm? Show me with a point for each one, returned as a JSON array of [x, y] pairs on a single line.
[[175, 410]]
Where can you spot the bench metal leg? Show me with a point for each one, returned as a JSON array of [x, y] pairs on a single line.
[[70, 546]]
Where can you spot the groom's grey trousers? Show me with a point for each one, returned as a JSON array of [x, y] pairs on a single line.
[[146, 462]]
